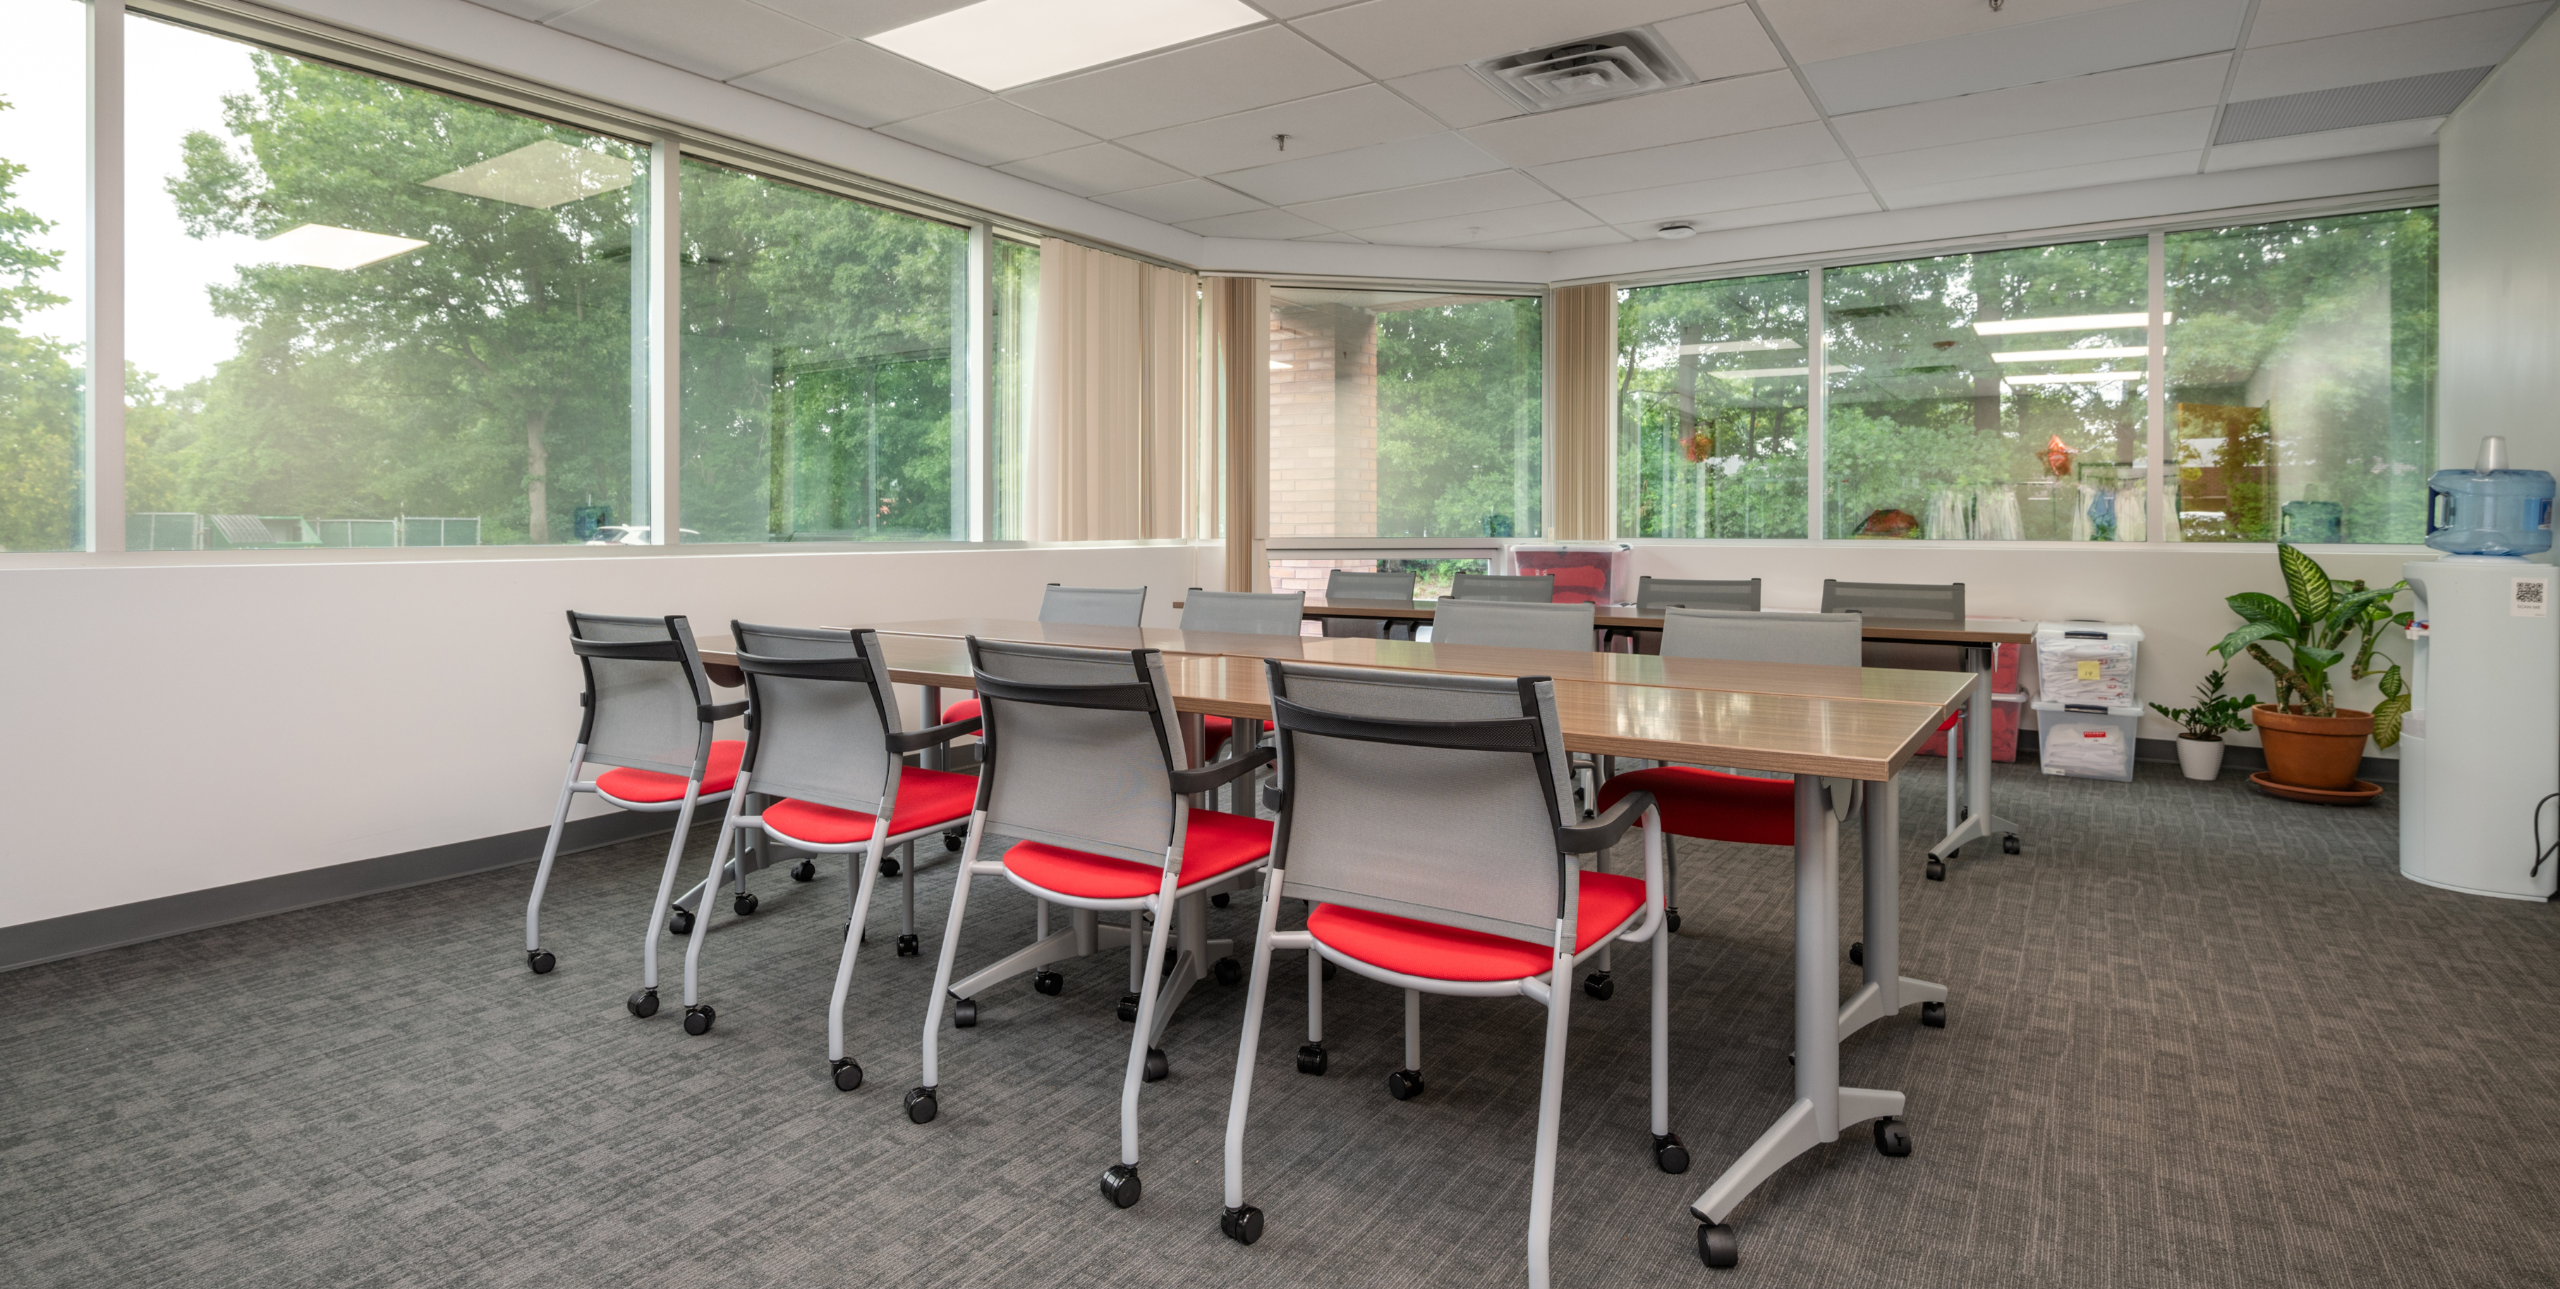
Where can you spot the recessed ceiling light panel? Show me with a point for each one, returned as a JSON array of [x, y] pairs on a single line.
[[999, 44], [320, 246]]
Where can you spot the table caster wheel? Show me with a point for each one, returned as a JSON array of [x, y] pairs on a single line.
[[1933, 1015], [1311, 1058], [643, 1004], [1716, 1245], [698, 1018], [680, 922], [1220, 900], [1156, 1068], [848, 1075], [889, 866], [1242, 1225], [541, 961], [921, 1107], [908, 947], [804, 871], [1669, 1155], [1228, 971], [1937, 869], [2009, 844], [1120, 1185], [1404, 1085], [1128, 1009], [951, 841], [1599, 985], [1671, 920], [1049, 982], [1858, 952], [745, 904], [964, 1014], [1892, 1139]]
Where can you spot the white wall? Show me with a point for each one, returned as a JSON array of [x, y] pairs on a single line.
[[2500, 266], [180, 725]]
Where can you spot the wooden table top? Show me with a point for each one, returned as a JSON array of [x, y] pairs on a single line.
[[1971, 631]]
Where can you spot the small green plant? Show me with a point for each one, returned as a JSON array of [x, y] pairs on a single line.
[[2324, 616], [2215, 713]]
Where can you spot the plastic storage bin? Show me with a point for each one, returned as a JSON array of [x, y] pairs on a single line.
[[2087, 664], [1585, 572], [2086, 742]]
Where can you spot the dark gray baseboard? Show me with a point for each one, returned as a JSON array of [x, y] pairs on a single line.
[[2247, 760], [29, 943]]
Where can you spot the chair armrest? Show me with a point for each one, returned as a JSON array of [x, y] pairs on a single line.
[[933, 736], [1602, 833], [709, 712], [1222, 773]]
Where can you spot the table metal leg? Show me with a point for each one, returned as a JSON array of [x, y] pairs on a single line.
[[937, 757], [1886, 990], [1979, 823]]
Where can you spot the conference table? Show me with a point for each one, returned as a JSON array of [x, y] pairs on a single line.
[[1840, 732]]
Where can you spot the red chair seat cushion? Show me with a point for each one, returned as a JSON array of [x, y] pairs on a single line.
[[648, 787], [925, 798], [1217, 843], [1713, 805], [960, 711], [1436, 952], [1215, 731]]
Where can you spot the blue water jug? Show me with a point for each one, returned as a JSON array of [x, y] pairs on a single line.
[[2489, 509]]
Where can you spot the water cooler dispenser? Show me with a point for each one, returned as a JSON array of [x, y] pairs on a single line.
[[2480, 746]]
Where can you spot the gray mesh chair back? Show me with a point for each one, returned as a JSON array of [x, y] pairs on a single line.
[[824, 715], [1093, 606], [1503, 586], [1691, 593], [1079, 747], [1343, 584], [1423, 795], [1509, 625], [1243, 612], [1923, 601], [645, 692], [1825, 639]]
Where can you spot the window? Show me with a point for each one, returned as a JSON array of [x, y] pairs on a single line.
[[2302, 372], [1711, 408], [1014, 293], [43, 321]]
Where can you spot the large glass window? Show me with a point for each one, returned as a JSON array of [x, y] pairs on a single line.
[[1997, 396], [1711, 408], [824, 399], [43, 321], [1014, 294], [361, 313], [2302, 372]]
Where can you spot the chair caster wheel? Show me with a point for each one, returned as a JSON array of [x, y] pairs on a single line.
[[643, 1004], [1221, 900], [541, 961], [1937, 869], [698, 1018], [848, 1075], [889, 866], [1228, 971], [744, 905], [1933, 1015], [1049, 982], [964, 1014], [1128, 1009], [680, 922], [1328, 968], [1120, 1185], [1242, 1225], [1599, 985], [1671, 920], [1404, 1085], [1858, 952], [951, 842], [1716, 1245], [804, 871], [1311, 1058], [921, 1107], [1669, 1155], [908, 946], [1156, 1068], [1892, 1139], [2009, 844]]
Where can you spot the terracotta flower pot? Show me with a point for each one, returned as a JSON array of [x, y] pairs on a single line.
[[2313, 751]]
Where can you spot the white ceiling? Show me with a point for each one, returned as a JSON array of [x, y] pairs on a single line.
[[1804, 109]]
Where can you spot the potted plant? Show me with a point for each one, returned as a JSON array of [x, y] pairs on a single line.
[[2310, 741], [2215, 714]]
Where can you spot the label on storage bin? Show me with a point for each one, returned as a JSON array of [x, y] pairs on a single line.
[[2531, 598], [2089, 669]]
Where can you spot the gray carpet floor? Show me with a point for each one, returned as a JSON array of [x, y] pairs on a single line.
[[2198, 1037]]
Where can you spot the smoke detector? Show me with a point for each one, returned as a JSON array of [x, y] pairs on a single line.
[[1595, 69], [1674, 232]]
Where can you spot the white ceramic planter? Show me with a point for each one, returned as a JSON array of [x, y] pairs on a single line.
[[2201, 760]]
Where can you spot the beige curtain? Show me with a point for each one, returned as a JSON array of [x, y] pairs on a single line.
[[1114, 433], [1237, 390], [1585, 340]]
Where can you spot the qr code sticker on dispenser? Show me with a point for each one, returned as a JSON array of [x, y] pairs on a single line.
[[2532, 598]]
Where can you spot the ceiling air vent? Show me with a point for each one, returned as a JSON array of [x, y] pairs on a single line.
[[1621, 64]]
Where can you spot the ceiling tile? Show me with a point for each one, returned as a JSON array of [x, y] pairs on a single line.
[[1094, 168], [989, 132], [537, 10], [2082, 100], [862, 17], [1386, 165], [858, 83], [1344, 238], [1818, 29], [2390, 136], [715, 38], [2388, 53], [1483, 225], [1803, 183], [1267, 224], [1252, 69], [1674, 116], [1174, 202], [1857, 203], [2127, 35], [1569, 240], [2281, 22], [2055, 179], [1456, 96], [1721, 42], [1397, 37], [1428, 201], [2144, 136], [1335, 122], [1734, 154]]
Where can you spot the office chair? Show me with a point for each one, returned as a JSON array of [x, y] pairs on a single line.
[[1514, 624], [1656, 593], [1538, 589], [1082, 606], [1344, 584], [1422, 816], [1239, 613], [1909, 601]]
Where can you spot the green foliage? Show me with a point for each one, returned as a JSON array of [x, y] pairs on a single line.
[[2323, 620], [1459, 414], [1701, 454], [2215, 713]]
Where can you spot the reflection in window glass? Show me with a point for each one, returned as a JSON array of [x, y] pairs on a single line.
[[366, 314], [1711, 408], [2302, 368], [1993, 397], [43, 207], [823, 399]]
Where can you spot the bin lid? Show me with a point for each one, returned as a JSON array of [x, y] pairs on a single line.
[[2105, 630], [2085, 709]]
